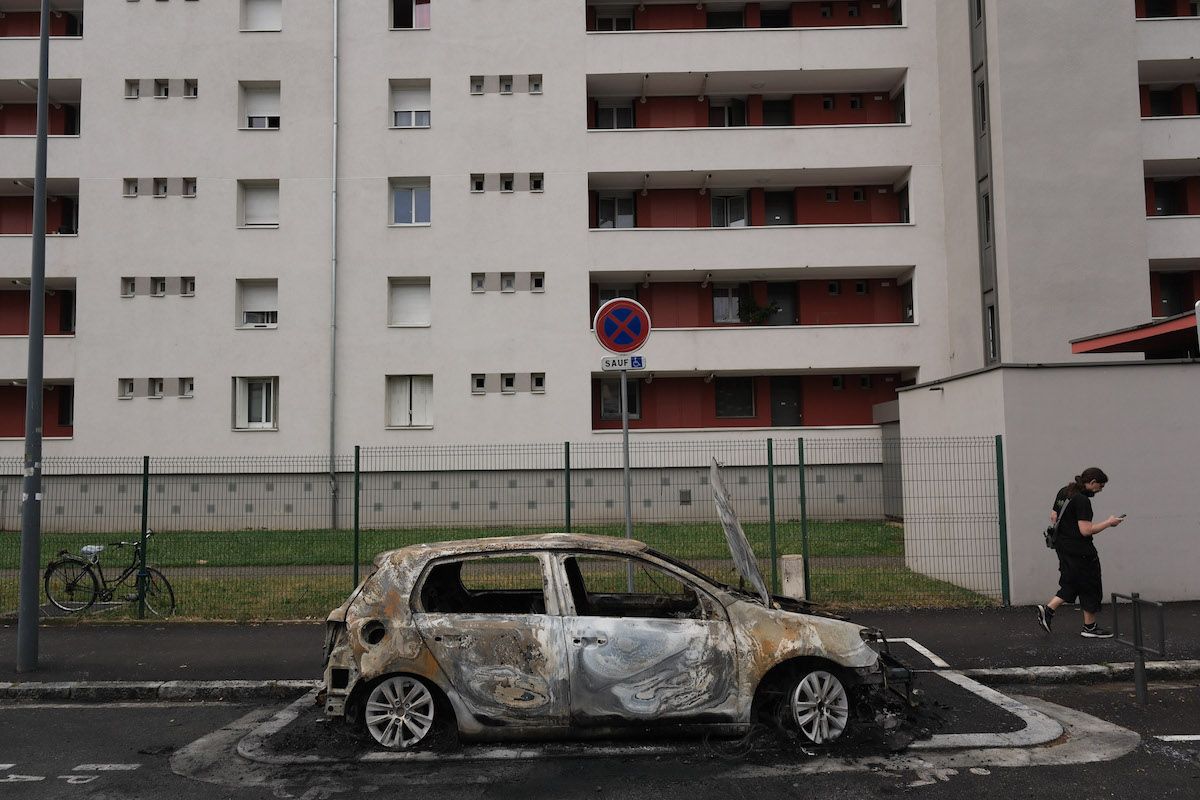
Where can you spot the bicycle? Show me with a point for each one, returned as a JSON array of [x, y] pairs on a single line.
[[74, 582]]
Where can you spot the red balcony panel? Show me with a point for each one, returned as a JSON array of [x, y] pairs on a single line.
[[824, 405], [59, 312], [673, 208], [1192, 196], [883, 302], [1173, 293], [674, 17], [1144, 9], [28, 23], [672, 112], [808, 15], [877, 109], [57, 411], [1186, 99], [20, 119], [16, 214], [880, 204], [753, 15], [678, 305]]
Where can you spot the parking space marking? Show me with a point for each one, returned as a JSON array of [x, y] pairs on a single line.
[[106, 767], [923, 650], [1185, 737], [1039, 728]]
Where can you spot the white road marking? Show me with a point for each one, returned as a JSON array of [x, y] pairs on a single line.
[[6, 766], [22, 778], [106, 767], [17, 705], [923, 650], [77, 779], [1187, 737], [1038, 729]]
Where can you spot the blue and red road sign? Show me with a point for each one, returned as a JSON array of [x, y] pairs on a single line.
[[622, 325]]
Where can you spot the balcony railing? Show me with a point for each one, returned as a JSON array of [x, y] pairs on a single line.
[[674, 16], [751, 110], [63, 22], [1158, 9]]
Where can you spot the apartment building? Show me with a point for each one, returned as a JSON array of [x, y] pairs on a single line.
[[289, 227]]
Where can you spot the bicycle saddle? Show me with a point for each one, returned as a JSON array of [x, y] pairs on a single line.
[[91, 550]]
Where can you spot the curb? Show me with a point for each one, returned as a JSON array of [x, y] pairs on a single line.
[[1083, 673], [173, 691]]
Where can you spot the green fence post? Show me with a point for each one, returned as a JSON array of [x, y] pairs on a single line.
[[357, 497], [1005, 594], [142, 573], [804, 523], [567, 486], [771, 512]]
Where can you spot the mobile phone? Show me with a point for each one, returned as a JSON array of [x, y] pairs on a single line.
[[1121, 516]]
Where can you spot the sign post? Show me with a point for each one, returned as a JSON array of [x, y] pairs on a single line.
[[622, 327]]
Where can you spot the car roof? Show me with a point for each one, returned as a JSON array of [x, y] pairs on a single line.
[[500, 544]]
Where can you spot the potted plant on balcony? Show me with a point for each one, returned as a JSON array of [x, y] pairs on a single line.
[[751, 313]]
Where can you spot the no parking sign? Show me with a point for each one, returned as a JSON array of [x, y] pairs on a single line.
[[622, 325]]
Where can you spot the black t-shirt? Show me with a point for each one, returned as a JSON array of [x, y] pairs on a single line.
[[1070, 540]]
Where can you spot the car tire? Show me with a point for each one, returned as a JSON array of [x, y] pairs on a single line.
[[818, 705], [403, 712]]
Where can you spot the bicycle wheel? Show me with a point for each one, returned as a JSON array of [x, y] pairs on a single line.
[[71, 585], [160, 597]]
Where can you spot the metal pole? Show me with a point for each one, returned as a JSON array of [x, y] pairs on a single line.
[[771, 511], [625, 449], [142, 573], [804, 524], [357, 497], [1198, 327], [1005, 594], [567, 486], [31, 489], [333, 286], [1139, 657]]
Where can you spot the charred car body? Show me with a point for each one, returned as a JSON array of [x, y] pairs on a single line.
[[590, 635]]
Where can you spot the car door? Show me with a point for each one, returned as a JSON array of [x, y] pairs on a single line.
[[663, 652], [493, 625]]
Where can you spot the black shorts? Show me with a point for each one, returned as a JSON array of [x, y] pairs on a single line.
[[1079, 577]]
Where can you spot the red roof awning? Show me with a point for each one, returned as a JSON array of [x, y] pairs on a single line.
[[1173, 335]]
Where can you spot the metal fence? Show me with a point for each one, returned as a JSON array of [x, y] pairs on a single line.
[[880, 522]]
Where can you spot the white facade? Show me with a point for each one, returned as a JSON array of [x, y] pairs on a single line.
[[258, 138]]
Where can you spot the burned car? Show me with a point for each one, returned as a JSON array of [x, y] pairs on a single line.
[[573, 635]]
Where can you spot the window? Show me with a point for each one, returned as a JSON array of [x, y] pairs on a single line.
[[130, 187], [508, 281], [187, 286], [985, 209], [981, 109], [191, 87], [506, 182], [615, 211], [125, 388], [189, 187], [777, 112], [859, 194], [410, 14], [1162, 104], [537, 281], [410, 201], [834, 288], [128, 287], [262, 15], [259, 204], [535, 84], [865, 382], [599, 587], [828, 102], [158, 287], [610, 398], [187, 387], [977, 7], [606, 293], [614, 116], [537, 182], [860, 287], [160, 187], [258, 303], [723, 19], [726, 303], [478, 383], [537, 383], [468, 586], [775, 18], [856, 102], [853, 10], [838, 383], [508, 383], [826, 10], [735, 398], [133, 89], [476, 84], [727, 114], [614, 19], [162, 87], [831, 195], [410, 104], [991, 342], [476, 183], [409, 303], [506, 84], [260, 105], [478, 282], [255, 403], [729, 211], [410, 401], [155, 388]]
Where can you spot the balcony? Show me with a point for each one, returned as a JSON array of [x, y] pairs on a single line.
[[1169, 38], [1165, 9], [1174, 288], [718, 399], [59, 307], [18, 107], [58, 409], [16, 206], [17, 21], [613, 16]]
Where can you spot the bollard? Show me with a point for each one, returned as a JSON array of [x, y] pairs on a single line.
[[792, 569], [1140, 648]]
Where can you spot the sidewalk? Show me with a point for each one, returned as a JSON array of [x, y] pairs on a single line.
[[273, 652]]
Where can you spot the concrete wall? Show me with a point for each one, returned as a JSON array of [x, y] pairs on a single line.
[[1134, 420]]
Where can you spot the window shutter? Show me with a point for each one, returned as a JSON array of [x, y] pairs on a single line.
[[398, 391], [260, 296], [262, 102], [422, 399], [410, 98], [241, 403], [410, 303], [264, 15], [260, 205]]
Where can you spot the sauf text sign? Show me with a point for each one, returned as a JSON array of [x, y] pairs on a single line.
[[618, 363]]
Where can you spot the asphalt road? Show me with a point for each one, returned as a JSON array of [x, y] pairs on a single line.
[[188, 751]]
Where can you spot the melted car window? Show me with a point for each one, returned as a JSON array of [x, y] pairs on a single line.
[[509, 585], [600, 588]]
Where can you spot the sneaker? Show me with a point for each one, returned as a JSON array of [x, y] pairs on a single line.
[[1095, 632], [1045, 617]]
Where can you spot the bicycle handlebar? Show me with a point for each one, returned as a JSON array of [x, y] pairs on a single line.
[[149, 533]]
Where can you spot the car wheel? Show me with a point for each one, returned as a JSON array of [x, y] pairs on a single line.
[[400, 712], [820, 706]]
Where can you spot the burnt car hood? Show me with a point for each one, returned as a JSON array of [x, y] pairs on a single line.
[[739, 546]]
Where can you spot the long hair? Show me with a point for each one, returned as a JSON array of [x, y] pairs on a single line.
[[1087, 476]]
